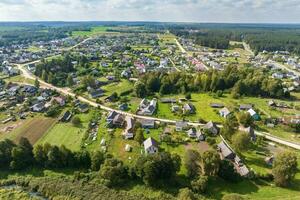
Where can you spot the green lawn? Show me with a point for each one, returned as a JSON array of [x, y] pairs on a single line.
[[67, 134], [94, 31]]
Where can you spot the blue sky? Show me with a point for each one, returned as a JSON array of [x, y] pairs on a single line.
[[272, 11]]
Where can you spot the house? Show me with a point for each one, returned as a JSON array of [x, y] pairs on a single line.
[[147, 108], [246, 106], [175, 108], [192, 133], [243, 171], [83, 108], [60, 100], [96, 93], [211, 128], [118, 120], [111, 116], [39, 107], [128, 132], [150, 146], [147, 123], [216, 105], [200, 136], [253, 114], [66, 116], [181, 125], [225, 151], [189, 108], [224, 112]]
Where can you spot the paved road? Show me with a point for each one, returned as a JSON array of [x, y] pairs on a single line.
[[68, 91], [283, 67]]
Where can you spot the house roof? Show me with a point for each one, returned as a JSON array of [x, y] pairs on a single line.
[[251, 112], [150, 142], [225, 150]]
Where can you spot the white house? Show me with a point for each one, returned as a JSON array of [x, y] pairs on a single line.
[[150, 146]]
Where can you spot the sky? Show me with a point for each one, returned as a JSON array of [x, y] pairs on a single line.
[[231, 11]]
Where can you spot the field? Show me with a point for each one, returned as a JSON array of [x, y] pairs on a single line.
[[19, 79], [66, 134], [33, 129], [94, 31]]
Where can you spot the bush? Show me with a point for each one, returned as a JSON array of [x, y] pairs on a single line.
[[233, 197], [199, 185], [76, 121]]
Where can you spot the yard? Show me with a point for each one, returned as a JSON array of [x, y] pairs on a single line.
[[67, 134]]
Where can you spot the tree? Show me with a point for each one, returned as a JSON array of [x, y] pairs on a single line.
[[245, 119], [76, 121], [284, 168], [113, 172], [97, 160], [159, 166], [199, 185], [37, 83], [22, 156], [192, 160], [229, 127], [6, 147], [188, 96], [210, 162], [39, 155], [240, 141], [139, 136], [228, 172], [140, 89], [186, 194], [70, 81]]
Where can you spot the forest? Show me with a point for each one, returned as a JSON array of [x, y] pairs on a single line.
[[259, 38], [247, 81]]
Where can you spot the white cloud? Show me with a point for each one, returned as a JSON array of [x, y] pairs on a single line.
[[158, 10]]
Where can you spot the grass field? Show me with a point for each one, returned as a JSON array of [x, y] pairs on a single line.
[[94, 31], [33, 129], [19, 79], [66, 134]]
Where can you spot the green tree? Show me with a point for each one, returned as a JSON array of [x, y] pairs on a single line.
[[139, 136], [240, 141], [245, 119], [210, 163], [76, 121], [228, 172], [97, 160], [70, 81], [37, 83], [186, 194], [199, 185], [284, 168], [113, 172], [192, 163]]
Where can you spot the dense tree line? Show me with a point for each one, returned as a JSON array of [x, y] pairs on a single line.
[[259, 38], [245, 81]]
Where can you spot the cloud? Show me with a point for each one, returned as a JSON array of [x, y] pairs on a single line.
[[158, 10]]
